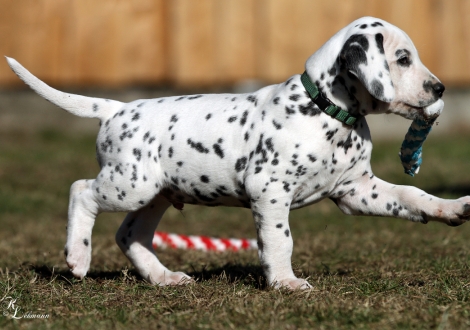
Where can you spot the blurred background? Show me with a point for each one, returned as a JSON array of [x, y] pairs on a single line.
[[148, 48]]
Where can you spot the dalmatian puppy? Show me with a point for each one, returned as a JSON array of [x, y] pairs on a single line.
[[272, 151]]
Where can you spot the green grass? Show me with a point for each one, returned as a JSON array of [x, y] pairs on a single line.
[[367, 272]]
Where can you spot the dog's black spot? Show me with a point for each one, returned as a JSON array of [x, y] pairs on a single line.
[[146, 135], [377, 89], [269, 144], [379, 39], [204, 178], [232, 119], [218, 150], [294, 97], [251, 98], [240, 164], [386, 66], [309, 109], [363, 26], [375, 195], [286, 186], [244, 117], [198, 146], [354, 51], [137, 153], [290, 111], [277, 125], [85, 241], [330, 134], [279, 225], [287, 233], [194, 97], [276, 100]]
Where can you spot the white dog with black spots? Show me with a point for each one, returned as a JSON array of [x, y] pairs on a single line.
[[272, 151]]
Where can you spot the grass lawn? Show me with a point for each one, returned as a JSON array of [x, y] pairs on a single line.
[[367, 272]]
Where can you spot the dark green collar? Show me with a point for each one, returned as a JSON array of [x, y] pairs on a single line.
[[324, 103]]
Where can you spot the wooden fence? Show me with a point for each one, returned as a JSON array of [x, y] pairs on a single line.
[[210, 42]]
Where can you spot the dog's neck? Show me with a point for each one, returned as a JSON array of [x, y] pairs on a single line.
[[344, 90], [338, 84]]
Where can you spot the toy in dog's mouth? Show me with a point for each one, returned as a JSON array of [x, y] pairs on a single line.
[[412, 146]]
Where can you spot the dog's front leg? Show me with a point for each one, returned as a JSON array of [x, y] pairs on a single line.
[[275, 243], [370, 195]]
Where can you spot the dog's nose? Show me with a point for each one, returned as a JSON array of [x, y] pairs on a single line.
[[439, 89]]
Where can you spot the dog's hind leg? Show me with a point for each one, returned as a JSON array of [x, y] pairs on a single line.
[[83, 209], [88, 198], [135, 236]]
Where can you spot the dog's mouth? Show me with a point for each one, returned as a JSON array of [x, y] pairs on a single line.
[[426, 113]]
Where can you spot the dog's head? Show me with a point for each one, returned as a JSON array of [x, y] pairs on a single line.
[[373, 67]]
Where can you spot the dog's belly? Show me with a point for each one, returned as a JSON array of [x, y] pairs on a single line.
[[217, 196]]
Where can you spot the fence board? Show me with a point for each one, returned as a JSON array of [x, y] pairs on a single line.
[[187, 42]]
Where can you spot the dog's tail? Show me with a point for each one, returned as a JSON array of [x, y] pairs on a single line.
[[78, 105]]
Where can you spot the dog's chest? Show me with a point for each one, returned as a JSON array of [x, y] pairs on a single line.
[[341, 159]]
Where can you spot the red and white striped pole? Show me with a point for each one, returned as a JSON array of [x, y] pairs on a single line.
[[164, 240]]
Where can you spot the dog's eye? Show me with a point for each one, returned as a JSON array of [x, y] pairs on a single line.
[[404, 61]]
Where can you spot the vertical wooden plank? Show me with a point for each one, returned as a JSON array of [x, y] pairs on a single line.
[[8, 29], [281, 25], [465, 42], [234, 40], [28, 41], [291, 31], [452, 37], [192, 50], [140, 41]]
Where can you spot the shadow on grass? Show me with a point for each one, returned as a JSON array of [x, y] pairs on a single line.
[[233, 273], [45, 272], [251, 275]]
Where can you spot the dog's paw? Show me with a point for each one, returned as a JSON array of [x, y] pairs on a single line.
[[463, 215], [170, 278], [78, 261], [292, 284], [454, 213]]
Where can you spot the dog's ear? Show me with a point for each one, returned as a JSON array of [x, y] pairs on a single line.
[[363, 55]]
